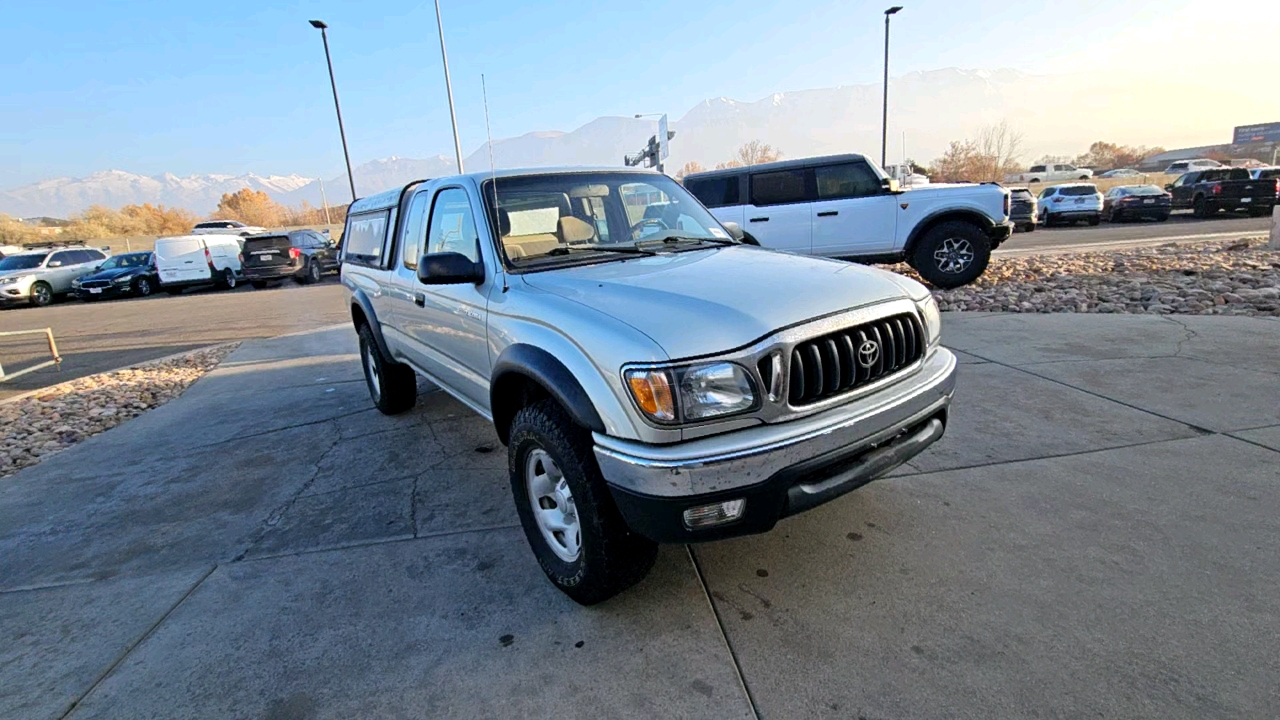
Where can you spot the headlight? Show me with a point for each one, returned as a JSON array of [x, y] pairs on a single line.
[[696, 392], [9, 280], [932, 318], [75, 282], [121, 280]]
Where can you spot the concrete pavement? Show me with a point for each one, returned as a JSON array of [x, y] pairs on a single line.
[[1094, 536]]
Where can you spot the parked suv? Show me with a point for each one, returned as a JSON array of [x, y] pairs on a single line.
[[37, 276], [843, 206], [304, 255], [646, 389], [1183, 166], [1070, 204], [1022, 210]]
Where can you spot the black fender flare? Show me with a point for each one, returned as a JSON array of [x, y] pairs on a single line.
[[533, 363], [944, 215], [362, 313]]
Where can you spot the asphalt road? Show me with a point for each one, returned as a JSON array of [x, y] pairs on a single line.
[[1179, 227], [100, 336]]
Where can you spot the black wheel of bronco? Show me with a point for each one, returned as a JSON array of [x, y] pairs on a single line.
[[952, 254], [393, 386], [575, 530]]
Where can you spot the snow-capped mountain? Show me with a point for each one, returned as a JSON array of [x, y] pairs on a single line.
[[62, 197], [1057, 114]]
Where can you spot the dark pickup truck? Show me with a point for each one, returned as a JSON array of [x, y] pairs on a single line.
[[1208, 191]]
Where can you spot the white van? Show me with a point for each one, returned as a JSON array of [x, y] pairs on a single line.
[[191, 260]]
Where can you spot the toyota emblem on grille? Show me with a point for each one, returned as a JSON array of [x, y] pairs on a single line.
[[868, 353]]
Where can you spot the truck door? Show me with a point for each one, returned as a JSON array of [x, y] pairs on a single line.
[[779, 213], [1181, 189], [854, 214], [446, 325]]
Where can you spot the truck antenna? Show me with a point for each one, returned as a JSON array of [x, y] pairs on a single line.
[[493, 173]]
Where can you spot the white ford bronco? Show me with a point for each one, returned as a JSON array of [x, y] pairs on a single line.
[[844, 206], [653, 378]]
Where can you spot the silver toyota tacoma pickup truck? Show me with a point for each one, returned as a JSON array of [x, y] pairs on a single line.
[[654, 379]]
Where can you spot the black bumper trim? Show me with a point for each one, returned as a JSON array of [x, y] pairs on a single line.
[[793, 490]]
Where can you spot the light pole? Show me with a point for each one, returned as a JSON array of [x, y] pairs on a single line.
[[319, 25], [448, 86], [884, 120]]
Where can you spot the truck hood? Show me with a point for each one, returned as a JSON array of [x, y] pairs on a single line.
[[704, 302]]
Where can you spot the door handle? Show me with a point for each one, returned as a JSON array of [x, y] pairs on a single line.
[[829, 213], [759, 219], [419, 299]]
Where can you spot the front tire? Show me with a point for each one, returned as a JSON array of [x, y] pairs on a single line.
[[41, 294], [1095, 220], [579, 538], [1200, 208], [142, 287], [393, 386], [952, 254]]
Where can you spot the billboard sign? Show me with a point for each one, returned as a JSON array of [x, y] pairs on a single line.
[[1264, 133], [664, 149]]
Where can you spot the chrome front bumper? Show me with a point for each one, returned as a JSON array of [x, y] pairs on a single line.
[[752, 456]]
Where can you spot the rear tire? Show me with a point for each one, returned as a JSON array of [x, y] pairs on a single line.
[[548, 450], [393, 386], [228, 281], [312, 275], [952, 254], [1095, 219], [1199, 208], [1163, 218], [173, 290]]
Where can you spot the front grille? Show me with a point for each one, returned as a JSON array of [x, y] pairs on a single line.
[[841, 361], [95, 284]]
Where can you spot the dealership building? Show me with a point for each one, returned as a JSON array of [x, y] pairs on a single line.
[[1258, 142]]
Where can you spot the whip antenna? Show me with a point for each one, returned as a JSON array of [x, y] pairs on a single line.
[[493, 173]]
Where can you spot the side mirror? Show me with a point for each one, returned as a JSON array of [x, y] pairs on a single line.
[[735, 230], [1169, 187], [890, 185], [56, 263], [96, 268], [449, 268]]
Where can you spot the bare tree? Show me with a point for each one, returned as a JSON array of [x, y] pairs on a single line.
[[988, 158], [756, 152], [693, 166]]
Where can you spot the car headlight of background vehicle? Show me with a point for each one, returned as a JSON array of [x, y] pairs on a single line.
[[123, 280], [932, 318], [691, 393]]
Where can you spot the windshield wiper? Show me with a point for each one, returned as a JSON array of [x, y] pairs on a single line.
[[677, 239], [626, 249]]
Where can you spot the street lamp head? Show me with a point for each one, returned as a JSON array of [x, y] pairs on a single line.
[[318, 24], [893, 10]]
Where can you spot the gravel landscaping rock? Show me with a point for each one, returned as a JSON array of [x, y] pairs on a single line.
[[51, 420], [1239, 277]]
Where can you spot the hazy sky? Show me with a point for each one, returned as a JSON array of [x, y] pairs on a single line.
[[237, 87]]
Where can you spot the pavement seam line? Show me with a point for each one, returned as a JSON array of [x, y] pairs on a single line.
[[1251, 442], [384, 541], [715, 613], [1197, 428], [134, 645], [1077, 453]]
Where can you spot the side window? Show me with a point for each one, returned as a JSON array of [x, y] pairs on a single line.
[[95, 255], [1036, 168], [364, 237], [715, 192], [63, 258], [780, 188], [452, 228], [848, 180], [1047, 193], [415, 228]]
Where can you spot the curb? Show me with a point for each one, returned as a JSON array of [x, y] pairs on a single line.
[[144, 363]]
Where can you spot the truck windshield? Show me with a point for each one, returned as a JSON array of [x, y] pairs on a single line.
[[21, 262], [544, 218]]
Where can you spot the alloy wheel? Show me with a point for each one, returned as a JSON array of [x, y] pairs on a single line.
[[552, 505], [954, 255]]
